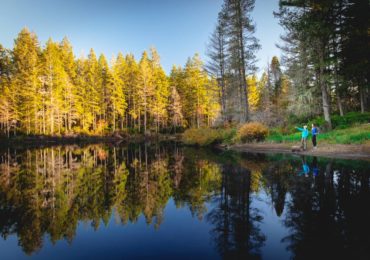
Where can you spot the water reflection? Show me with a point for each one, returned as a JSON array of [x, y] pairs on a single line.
[[236, 230], [321, 204], [49, 190]]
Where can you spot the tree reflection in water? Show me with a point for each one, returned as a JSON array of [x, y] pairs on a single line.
[[236, 231], [49, 191], [328, 215]]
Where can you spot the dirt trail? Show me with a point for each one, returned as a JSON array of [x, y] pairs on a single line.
[[344, 151]]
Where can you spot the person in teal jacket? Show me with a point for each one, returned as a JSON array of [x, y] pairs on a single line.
[[305, 132]]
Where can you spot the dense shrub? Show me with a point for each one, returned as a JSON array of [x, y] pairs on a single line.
[[350, 119], [294, 119], [201, 136], [253, 131]]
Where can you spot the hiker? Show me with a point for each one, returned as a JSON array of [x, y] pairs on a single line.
[[304, 136], [315, 132]]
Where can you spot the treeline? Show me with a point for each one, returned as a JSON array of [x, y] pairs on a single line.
[[48, 91], [327, 55]]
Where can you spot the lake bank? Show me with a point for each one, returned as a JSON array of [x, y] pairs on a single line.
[[344, 151], [50, 140]]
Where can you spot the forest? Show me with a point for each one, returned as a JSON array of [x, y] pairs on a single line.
[[324, 70], [47, 91], [325, 67]]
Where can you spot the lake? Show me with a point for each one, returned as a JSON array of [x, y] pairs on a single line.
[[166, 201]]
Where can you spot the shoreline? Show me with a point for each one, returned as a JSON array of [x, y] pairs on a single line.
[[49, 140], [341, 151]]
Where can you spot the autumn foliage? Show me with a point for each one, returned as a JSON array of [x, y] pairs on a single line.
[[252, 131], [48, 91]]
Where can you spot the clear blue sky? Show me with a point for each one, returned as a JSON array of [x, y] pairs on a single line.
[[177, 28]]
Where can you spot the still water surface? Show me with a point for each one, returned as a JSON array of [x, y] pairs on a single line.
[[165, 201]]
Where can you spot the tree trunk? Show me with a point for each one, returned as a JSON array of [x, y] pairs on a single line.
[[145, 120], [35, 107], [114, 121], [222, 76], [59, 122], [340, 105], [157, 125], [198, 125], [7, 124], [362, 103], [326, 105], [241, 108], [242, 67], [324, 91], [139, 121], [223, 101]]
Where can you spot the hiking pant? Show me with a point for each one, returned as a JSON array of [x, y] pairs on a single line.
[[314, 140], [304, 143]]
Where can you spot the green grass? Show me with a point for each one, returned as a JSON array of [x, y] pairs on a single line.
[[357, 134], [352, 128], [338, 122]]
